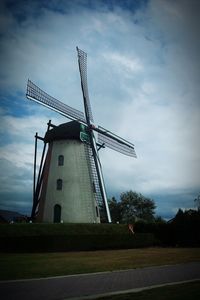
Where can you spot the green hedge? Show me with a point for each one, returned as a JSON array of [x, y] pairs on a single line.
[[35, 229], [74, 242], [183, 234], [70, 237]]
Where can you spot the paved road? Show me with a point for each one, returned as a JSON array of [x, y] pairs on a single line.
[[65, 287]]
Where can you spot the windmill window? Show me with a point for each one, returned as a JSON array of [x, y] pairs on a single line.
[[61, 160], [59, 184], [94, 187]]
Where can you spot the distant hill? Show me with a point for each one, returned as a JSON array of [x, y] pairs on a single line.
[[7, 216]]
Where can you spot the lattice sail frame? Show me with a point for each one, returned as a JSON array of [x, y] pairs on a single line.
[[36, 94], [94, 157], [82, 60], [95, 182], [114, 142]]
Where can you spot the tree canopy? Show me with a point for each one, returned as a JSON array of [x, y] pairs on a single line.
[[132, 207], [197, 202]]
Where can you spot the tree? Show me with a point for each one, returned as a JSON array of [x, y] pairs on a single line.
[[197, 202], [115, 210], [180, 216], [135, 206], [185, 227], [159, 219]]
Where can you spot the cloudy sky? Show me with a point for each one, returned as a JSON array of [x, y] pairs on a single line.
[[143, 76]]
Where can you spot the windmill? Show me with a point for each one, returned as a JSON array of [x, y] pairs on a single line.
[[69, 186]]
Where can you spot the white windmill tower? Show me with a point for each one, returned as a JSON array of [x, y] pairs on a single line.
[[70, 185]]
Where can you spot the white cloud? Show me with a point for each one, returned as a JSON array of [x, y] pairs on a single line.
[[14, 178], [143, 72], [20, 154], [129, 64]]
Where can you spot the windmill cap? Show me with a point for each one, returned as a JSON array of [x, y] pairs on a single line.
[[69, 130]]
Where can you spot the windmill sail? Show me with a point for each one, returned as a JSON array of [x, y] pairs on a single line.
[[36, 94], [82, 60], [94, 159], [95, 182], [114, 142]]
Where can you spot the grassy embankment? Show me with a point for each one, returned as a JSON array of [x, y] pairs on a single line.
[[29, 265]]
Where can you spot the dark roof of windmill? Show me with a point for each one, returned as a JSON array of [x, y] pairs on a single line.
[[70, 130]]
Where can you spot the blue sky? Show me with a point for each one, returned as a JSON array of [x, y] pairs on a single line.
[[143, 76]]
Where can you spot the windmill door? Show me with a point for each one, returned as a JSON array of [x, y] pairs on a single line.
[[57, 214]]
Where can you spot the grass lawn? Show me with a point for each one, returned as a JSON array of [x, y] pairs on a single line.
[[186, 291], [29, 265]]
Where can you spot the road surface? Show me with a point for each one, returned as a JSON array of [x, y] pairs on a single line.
[[73, 286]]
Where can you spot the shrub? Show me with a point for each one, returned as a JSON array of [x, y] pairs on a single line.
[[68, 237]]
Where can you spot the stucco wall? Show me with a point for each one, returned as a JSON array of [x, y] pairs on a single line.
[[76, 197]]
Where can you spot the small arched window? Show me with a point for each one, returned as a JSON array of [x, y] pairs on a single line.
[[61, 160], [94, 187], [59, 184]]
